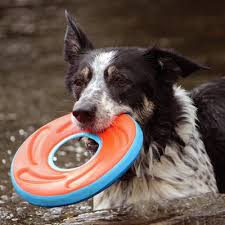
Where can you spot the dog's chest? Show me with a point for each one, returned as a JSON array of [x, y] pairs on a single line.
[[179, 173]]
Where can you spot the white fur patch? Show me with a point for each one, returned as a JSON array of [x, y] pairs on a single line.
[[101, 62], [189, 112]]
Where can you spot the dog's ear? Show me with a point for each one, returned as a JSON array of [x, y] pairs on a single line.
[[171, 64], [75, 40]]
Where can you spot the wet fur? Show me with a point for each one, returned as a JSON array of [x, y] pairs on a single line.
[[174, 161]]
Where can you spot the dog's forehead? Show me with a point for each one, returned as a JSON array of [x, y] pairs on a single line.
[[100, 60]]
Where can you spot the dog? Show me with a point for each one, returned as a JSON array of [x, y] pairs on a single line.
[[184, 132]]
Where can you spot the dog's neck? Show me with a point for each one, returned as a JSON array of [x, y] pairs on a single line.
[[169, 166], [169, 114], [172, 123]]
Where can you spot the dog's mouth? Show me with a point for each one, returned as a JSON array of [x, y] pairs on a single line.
[[94, 127], [99, 124]]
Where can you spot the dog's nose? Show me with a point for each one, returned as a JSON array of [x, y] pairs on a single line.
[[85, 113]]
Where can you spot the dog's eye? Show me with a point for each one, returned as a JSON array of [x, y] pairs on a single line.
[[115, 77], [78, 82], [120, 81]]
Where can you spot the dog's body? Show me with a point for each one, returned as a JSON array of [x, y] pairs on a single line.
[[182, 170], [174, 161]]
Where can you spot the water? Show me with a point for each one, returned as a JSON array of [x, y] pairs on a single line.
[[32, 88]]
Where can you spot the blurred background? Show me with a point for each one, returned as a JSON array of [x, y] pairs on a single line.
[[32, 69]]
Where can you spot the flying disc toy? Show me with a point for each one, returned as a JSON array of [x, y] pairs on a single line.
[[38, 180]]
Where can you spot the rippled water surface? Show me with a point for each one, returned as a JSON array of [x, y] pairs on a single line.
[[32, 88]]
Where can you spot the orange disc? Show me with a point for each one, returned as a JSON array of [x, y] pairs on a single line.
[[39, 181]]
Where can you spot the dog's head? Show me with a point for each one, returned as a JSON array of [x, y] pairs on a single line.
[[110, 81]]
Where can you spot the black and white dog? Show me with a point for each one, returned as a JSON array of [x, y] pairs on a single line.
[[184, 133]]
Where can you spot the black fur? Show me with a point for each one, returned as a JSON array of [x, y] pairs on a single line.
[[210, 101], [75, 40]]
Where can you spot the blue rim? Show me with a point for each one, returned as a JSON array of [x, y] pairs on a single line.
[[92, 189]]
